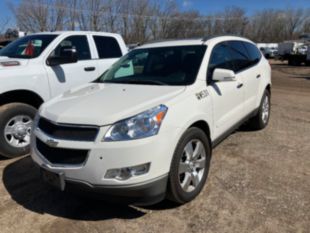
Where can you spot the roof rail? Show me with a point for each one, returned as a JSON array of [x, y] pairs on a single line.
[[171, 39], [204, 39]]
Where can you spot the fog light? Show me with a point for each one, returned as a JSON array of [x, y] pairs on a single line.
[[127, 172]]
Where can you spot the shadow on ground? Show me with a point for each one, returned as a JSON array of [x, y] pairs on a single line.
[[22, 181], [3, 158]]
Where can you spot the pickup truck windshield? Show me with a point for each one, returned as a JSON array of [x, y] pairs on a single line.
[[157, 66], [27, 47]]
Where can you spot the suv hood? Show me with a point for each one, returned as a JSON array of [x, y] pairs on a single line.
[[19, 63], [104, 104]]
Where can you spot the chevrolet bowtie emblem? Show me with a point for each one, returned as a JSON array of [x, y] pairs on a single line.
[[51, 142]]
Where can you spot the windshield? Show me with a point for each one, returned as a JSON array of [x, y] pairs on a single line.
[[27, 47], [157, 66]]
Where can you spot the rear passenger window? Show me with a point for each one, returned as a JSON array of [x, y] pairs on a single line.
[[239, 55], [254, 54], [107, 47], [220, 58]]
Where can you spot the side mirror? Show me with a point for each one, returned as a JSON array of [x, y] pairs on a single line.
[[223, 75], [67, 55]]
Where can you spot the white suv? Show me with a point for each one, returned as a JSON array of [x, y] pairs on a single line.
[[146, 128]]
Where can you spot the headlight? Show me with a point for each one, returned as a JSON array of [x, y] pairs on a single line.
[[143, 125]]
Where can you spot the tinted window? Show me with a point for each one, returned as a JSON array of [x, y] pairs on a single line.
[[107, 47], [27, 47], [80, 43], [239, 55], [220, 58], [254, 54], [157, 66]]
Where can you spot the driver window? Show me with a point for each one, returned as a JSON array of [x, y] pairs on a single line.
[[220, 58], [80, 43]]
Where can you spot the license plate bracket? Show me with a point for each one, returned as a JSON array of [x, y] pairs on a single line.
[[56, 180]]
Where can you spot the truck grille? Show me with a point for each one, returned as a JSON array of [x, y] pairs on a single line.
[[68, 132], [60, 155]]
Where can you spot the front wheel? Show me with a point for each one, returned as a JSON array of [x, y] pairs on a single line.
[[16, 121], [190, 166]]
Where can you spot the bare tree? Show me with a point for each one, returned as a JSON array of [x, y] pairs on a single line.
[[4, 23], [143, 20]]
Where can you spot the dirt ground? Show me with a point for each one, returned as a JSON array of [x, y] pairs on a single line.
[[259, 182]]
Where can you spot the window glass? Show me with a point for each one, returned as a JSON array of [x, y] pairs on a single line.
[[254, 54], [220, 58], [239, 55], [107, 47], [80, 43], [27, 47], [177, 65]]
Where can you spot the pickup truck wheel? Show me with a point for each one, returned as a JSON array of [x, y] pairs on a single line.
[[15, 129], [190, 166], [260, 121]]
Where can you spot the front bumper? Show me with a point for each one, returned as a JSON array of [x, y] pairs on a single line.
[[89, 177], [146, 193]]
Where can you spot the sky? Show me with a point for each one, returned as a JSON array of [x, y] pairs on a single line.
[[251, 6], [203, 6]]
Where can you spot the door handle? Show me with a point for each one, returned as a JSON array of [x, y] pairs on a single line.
[[258, 76], [240, 85], [88, 69]]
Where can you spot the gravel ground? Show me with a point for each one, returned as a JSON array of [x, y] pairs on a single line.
[[259, 182]]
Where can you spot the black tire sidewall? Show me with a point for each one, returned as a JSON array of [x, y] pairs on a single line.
[[7, 112], [176, 193]]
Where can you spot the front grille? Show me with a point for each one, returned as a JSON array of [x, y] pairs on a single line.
[[60, 155], [68, 132]]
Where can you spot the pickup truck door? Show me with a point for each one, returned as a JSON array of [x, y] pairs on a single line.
[[66, 76], [108, 52], [227, 96]]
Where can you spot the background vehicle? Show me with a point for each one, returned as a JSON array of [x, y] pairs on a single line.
[[171, 103], [295, 52], [37, 67], [269, 50]]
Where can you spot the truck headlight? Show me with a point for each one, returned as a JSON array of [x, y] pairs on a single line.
[[143, 125]]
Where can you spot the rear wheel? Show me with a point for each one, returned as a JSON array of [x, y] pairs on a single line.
[[15, 129], [260, 121], [190, 166]]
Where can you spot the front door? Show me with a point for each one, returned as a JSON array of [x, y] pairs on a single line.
[[65, 76], [227, 96]]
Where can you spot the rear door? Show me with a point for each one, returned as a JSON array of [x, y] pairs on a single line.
[[66, 76], [252, 77], [247, 69], [108, 50], [227, 97]]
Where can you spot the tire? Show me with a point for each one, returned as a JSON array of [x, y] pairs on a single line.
[[260, 120], [176, 192], [15, 126]]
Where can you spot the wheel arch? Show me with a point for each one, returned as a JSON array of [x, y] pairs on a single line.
[[21, 96], [204, 126]]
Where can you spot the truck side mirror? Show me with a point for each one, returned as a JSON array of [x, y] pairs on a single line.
[[67, 55], [223, 75]]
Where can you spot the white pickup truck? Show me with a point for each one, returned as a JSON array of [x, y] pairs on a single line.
[[37, 67]]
